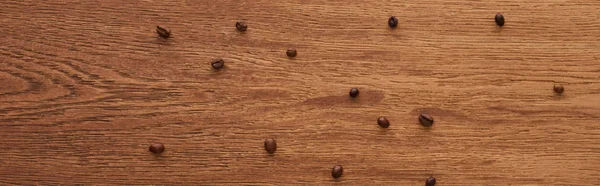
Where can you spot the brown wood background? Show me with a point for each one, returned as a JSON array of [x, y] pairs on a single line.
[[86, 86]]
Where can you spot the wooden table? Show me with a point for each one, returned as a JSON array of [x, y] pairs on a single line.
[[87, 86]]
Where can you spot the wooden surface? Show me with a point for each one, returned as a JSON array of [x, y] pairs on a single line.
[[87, 86]]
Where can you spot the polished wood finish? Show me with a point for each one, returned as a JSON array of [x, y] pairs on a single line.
[[87, 86]]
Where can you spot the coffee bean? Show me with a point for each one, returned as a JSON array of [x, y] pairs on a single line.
[[559, 89], [217, 63], [383, 122], [393, 22], [430, 181], [241, 26], [354, 92], [291, 52], [270, 145], [337, 171], [499, 19], [157, 148], [426, 120], [163, 32]]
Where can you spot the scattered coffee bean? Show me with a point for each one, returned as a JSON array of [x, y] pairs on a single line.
[[430, 181], [217, 63], [241, 26], [354, 92], [426, 120], [157, 148], [393, 22], [270, 145], [383, 122], [337, 171], [163, 32], [559, 89], [291, 52], [499, 19]]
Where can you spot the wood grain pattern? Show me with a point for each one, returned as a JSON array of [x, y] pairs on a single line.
[[86, 86]]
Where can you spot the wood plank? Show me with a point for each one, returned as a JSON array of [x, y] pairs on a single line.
[[87, 86]]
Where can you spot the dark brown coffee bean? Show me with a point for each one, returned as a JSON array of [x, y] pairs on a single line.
[[559, 89], [499, 19], [383, 122], [337, 171], [157, 148], [270, 145], [217, 63], [291, 52], [163, 32], [430, 181], [393, 22], [426, 120], [354, 92], [241, 26]]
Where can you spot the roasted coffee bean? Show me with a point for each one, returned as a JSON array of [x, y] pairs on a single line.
[[426, 120], [559, 89], [430, 181], [393, 22], [337, 171], [291, 52], [270, 145], [499, 19], [163, 32], [217, 63], [157, 148], [383, 122], [354, 92], [241, 26]]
